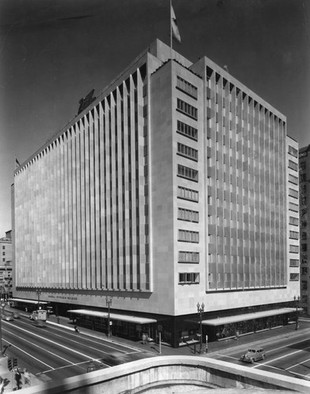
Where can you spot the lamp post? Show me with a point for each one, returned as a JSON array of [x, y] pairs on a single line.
[[200, 310], [109, 302], [39, 293], [296, 299]]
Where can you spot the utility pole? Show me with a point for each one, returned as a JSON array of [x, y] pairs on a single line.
[[296, 299], [39, 293], [109, 302], [200, 310]]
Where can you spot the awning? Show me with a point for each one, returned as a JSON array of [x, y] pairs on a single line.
[[26, 301], [114, 316], [219, 321]]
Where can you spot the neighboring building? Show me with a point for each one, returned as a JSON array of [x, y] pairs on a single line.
[[304, 179], [6, 266], [170, 189]]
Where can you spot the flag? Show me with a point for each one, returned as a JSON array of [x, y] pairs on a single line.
[[17, 163], [174, 26]]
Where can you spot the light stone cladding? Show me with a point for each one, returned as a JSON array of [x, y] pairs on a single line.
[[304, 178], [293, 234], [168, 190]]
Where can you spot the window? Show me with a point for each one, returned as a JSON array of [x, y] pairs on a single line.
[[294, 276], [294, 263], [294, 221], [3, 246], [188, 257], [294, 249], [187, 130], [188, 173], [303, 247], [188, 236], [294, 235], [188, 215], [188, 277], [292, 151], [292, 165], [293, 179], [304, 285], [304, 270], [186, 87], [188, 152], [293, 193], [187, 109], [187, 194], [293, 207]]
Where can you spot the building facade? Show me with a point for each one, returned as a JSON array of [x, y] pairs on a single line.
[[6, 266], [170, 189], [304, 178]]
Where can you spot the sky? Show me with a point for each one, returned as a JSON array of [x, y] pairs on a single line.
[[53, 52]]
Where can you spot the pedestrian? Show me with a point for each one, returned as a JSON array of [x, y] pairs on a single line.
[[18, 379], [76, 329], [27, 380]]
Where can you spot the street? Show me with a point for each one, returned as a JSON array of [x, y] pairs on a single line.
[[54, 353], [288, 355]]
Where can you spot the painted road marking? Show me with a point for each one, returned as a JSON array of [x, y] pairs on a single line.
[[38, 346], [55, 343], [30, 355]]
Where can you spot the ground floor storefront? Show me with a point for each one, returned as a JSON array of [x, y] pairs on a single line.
[[182, 330]]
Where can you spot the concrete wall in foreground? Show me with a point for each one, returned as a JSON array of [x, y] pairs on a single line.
[[161, 375]]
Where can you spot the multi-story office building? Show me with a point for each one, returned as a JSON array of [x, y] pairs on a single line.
[[170, 189], [304, 179], [6, 266]]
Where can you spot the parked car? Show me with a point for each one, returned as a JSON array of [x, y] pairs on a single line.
[[253, 354]]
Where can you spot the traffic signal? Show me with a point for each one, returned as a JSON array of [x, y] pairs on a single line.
[[14, 362], [10, 364]]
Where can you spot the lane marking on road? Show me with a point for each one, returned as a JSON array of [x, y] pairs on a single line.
[[29, 354], [95, 339], [38, 346], [279, 358], [76, 364], [55, 343], [296, 365]]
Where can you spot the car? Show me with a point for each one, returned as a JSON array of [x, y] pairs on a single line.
[[253, 354], [8, 318]]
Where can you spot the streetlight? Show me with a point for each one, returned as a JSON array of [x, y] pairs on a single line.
[[296, 299], [38, 292], [109, 302], [200, 310]]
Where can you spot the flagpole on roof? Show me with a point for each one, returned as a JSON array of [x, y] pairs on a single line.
[[170, 25]]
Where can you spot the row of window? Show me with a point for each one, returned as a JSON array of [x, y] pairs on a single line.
[[292, 151], [187, 130], [187, 151], [187, 109], [188, 257], [188, 173], [188, 277], [294, 221], [293, 179], [294, 263], [292, 165], [294, 235], [293, 207], [188, 236], [188, 215], [293, 193], [187, 87], [188, 194]]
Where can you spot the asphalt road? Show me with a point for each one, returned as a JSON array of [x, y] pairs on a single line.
[[53, 353], [288, 356]]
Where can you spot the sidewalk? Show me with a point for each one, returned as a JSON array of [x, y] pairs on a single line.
[[261, 338]]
